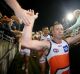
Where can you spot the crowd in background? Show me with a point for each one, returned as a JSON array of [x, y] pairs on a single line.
[[11, 26]]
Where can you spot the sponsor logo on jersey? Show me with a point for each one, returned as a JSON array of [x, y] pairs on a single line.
[[66, 48], [55, 50]]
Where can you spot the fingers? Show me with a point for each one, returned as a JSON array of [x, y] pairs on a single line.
[[31, 12], [29, 16], [26, 22], [36, 15], [24, 16]]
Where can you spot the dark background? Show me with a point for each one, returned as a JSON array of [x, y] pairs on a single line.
[[49, 10]]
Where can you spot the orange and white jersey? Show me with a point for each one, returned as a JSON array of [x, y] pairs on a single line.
[[58, 58]]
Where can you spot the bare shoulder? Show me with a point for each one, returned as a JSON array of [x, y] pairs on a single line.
[[68, 40]]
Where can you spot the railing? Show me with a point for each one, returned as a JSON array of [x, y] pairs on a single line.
[[8, 50]]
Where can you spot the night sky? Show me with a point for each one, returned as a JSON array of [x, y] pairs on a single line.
[[49, 10]]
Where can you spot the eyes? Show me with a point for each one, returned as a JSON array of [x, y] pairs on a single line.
[[59, 29]]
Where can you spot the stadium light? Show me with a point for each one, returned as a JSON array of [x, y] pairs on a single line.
[[70, 16]]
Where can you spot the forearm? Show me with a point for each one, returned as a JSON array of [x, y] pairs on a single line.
[[26, 39], [27, 32], [13, 4], [72, 40], [26, 35], [76, 25]]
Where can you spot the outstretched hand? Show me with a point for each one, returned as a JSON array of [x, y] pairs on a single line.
[[22, 15], [32, 16], [27, 16]]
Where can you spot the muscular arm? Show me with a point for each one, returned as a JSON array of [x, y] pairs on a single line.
[[13, 4], [27, 41], [19, 12], [72, 40]]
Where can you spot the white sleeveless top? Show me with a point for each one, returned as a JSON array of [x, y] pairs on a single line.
[[58, 58], [45, 37]]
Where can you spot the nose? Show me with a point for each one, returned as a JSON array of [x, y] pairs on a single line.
[[61, 31]]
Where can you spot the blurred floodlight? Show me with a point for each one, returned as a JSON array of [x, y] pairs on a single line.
[[70, 16]]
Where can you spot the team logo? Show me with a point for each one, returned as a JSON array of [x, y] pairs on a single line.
[[66, 48], [55, 50]]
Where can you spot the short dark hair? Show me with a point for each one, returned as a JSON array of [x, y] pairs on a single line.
[[45, 27], [56, 23]]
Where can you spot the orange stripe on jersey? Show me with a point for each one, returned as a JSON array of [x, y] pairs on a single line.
[[66, 72], [57, 62]]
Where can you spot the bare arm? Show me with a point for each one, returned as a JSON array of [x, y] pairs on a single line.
[[76, 25], [19, 12], [35, 44], [72, 40], [27, 41], [13, 4]]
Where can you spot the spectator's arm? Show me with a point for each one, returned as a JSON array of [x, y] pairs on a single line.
[[76, 25], [19, 12]]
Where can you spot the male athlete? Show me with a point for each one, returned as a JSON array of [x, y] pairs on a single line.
[[57, 50]]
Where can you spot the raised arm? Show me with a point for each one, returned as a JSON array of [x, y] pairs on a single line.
[[27, 41], [76, 25], [72, 40]]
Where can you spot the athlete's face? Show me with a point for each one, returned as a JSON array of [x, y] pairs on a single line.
[[46, 30], [58, 31]]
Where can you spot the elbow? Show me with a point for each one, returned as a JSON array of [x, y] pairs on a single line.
[[26, 44]]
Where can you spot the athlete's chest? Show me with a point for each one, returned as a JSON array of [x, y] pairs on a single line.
[[59, 49]]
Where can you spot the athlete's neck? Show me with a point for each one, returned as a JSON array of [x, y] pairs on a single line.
[[58, 41]]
